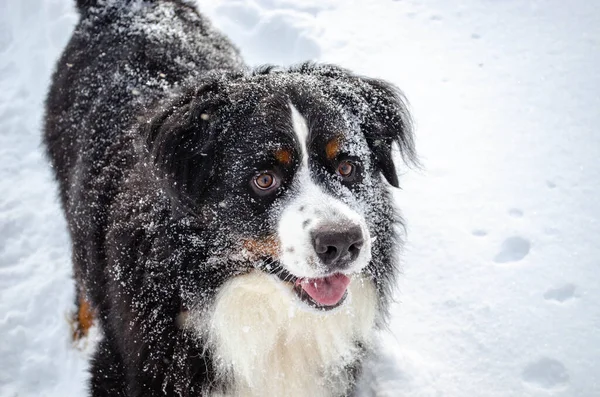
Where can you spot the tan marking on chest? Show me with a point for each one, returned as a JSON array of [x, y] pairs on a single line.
[[262, 247]]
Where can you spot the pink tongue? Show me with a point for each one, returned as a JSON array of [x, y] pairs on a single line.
[[326, 291]]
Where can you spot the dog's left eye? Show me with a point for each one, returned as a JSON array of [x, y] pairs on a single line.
[[349, 171], [346, 169], [265, 181]]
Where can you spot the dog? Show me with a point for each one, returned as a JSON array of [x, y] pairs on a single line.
[[233, 231]]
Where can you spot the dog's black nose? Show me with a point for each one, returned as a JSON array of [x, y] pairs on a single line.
[[337, 246]]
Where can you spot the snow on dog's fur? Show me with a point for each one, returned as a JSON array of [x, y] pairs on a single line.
[[232, 229], [270, 347]]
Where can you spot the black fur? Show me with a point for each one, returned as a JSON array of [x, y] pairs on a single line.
[[153, 139]]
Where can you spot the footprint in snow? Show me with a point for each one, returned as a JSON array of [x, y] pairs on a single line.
[[513, 249], [288, 31], [560, 294], [546, 373], [515, 213]]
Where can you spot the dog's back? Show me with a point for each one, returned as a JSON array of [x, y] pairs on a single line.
[[123, 56]]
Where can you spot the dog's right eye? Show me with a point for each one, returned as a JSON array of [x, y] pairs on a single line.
[[265, 182]]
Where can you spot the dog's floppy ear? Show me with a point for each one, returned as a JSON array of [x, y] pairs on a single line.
[[382, 111], [387, 122], [181, 141]]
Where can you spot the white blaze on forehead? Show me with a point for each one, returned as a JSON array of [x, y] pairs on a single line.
[[310, 207], [301, 130]]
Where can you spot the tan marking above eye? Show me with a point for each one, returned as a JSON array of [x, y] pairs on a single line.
[[332, 148], [284, 156], [261, 247]]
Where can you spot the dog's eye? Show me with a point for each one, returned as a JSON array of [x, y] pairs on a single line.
[[266, 181], [346, 169]]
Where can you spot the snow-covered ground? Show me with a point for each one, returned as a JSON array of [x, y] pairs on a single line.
[[501, 288]]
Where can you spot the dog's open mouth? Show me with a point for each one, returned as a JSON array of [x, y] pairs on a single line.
[[324, 293]]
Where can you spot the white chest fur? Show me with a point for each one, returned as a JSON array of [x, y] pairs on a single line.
[[267, 345]]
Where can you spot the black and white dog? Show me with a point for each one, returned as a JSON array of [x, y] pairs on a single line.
[[232, 230]]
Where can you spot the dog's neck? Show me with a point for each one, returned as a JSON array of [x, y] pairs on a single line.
[[265, 344]]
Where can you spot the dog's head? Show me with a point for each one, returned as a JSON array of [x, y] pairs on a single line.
[[289, 170]]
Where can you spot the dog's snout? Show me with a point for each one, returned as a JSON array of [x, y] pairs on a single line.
[[337, 246]]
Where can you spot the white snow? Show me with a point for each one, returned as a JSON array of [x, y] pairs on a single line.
[[500, 294]]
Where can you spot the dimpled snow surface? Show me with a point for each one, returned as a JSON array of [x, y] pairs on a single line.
[[500, 289]]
